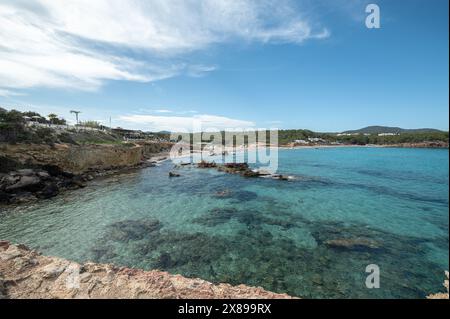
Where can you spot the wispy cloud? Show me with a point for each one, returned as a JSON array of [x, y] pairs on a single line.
[[163, 111], [8, 93], [203, 122], [81, 43]]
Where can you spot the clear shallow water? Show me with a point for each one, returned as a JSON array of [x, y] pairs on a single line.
[[263, 232]]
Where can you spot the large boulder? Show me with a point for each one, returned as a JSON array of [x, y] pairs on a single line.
[[4, 197], [25, 172], [25, 183], [8, 180], [50, 190]]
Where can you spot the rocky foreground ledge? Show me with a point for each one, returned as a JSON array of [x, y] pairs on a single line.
[[26, 274]]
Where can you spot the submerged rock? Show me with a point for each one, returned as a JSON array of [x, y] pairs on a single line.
[[224, 193], [126, 230], [352, 243]]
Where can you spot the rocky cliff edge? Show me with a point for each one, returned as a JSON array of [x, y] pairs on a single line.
[[26, 274]]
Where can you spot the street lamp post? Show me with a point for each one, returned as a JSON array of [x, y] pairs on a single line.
[[76, 114]]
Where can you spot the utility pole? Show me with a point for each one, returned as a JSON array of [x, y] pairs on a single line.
[[76, 114]]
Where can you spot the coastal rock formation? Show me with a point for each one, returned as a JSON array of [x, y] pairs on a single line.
[[441, 295], [25, 273], [78, 159], [31, 171], [204, 164], [27, 184], [431, 144], [74, 159], [244, 170], [238, 168], [172, 174]]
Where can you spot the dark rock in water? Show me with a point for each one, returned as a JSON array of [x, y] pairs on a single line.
[[4, 197], [244, 196], [25, 182], [79, 181], [250, 173], [164, 261], [25, 185], [281, 177], [185, 164], [133, 229], [204, 164], [22, 197], [103, 253], [172, 174], [353, 243], [49, 190], [216, 217], [241, 196], [238, 168], [243, 170], [262, 172]]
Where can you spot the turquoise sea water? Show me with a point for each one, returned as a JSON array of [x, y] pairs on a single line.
[[260, 232]]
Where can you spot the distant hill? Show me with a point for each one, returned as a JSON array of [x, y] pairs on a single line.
[[388, 129]]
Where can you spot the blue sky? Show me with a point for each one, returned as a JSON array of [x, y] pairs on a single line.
[[159, 65]]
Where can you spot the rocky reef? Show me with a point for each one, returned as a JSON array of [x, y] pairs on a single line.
[[242, 169], [25, 274]]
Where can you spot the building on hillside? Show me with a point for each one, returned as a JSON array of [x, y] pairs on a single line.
[[316, 140], [129, 134], [388, 134], [301, 142]]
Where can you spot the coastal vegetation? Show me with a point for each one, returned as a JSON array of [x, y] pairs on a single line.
[[40, 157], [359, 138], [433, 138], [18, 127], [13, 129]]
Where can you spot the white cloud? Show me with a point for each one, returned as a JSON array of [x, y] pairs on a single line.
[[163, 111], [203, 122], [8, 93], [197, 71], [81, 43]]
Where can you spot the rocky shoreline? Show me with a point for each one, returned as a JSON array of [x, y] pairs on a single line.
[[33, 172], [29, 185], [26, 274]]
